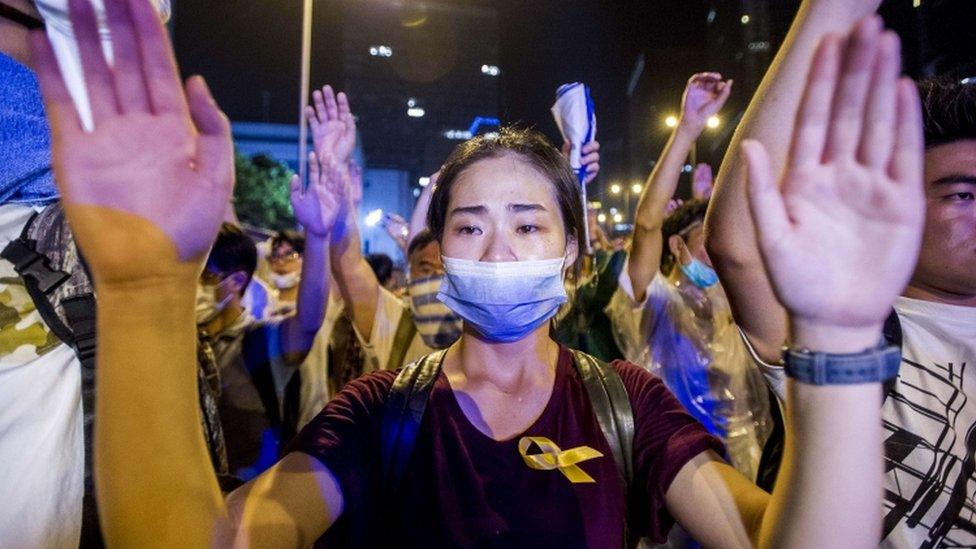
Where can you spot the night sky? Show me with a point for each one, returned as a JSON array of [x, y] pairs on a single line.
[[248, 50]]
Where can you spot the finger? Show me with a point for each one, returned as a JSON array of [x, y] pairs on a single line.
[[852, 89], [878, 137], [591, 147], [314, 168], [907, 161], [342, 102], [295, 188], [99, 81], [312, 117], [331, 107], [813, 116], [130, 89], [765, 201], [60, 108], [215, 149], [319, 101], [590, 158], [158, 64], [724, 92]]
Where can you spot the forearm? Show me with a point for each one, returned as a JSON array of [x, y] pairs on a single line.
[[770, 119], [357, 282], [645, 248], [155, 482], [313, 291], [829, 490], [418, 219], [729, 228]]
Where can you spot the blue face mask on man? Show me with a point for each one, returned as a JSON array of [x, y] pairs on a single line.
[[504, 301], [699, 274], [25, 139]]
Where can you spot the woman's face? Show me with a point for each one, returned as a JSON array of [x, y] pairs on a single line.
[[503, 209]]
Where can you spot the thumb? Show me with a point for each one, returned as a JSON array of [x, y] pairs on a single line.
[[765, 201], [215, 150]]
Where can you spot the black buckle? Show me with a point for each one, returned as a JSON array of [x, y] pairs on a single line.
[[28, 262]]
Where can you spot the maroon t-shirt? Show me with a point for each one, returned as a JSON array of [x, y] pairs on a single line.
[[464, 489]]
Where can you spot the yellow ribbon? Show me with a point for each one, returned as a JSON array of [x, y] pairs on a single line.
[[554, 458]]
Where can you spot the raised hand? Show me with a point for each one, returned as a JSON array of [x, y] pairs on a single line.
[[704, 96], [702, 182], [332, 123], [145, 191], [318, 207], [841, 232]]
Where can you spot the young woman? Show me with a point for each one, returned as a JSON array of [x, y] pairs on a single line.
[[506, 211]]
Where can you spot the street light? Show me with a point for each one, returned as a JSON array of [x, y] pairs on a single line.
[[713, 121], [615, 188], [671, 121], [602, 218], [637, 188], [618, 218]]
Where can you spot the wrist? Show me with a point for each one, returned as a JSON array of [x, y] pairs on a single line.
[[689, 129], [823, 337]]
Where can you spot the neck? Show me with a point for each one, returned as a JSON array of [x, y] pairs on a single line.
[[923, 292], [509, 367]]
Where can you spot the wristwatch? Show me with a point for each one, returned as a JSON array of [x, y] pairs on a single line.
[[815, 368]]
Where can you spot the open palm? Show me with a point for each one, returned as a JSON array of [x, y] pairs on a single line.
[[333, 125], [318, 206], [159, 162], [840, 234]]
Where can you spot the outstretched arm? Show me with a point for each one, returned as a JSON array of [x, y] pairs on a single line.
[[705, 94], [729, 227], [333, 132], [144, 194], [315, 209], [849, 207]]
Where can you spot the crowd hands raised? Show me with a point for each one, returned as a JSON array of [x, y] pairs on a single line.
[[815, 230]]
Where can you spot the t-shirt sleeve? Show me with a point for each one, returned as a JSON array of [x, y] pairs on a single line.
[[666, 437], [344, 435], [389, 309]]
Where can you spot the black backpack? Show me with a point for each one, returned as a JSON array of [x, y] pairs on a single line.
[[407, 401], [59, 284]]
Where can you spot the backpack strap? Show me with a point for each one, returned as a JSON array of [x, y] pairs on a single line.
[[402, 414], [402, 338], [611, 404], [893, 335]]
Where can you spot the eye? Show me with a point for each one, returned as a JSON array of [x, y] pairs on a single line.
[[961, 196], [527, 229], [468, 230]]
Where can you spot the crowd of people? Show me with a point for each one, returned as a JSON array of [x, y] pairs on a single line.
[[778, 361]]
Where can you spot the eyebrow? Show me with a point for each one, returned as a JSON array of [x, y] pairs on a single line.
[[516, 208], [956, 179]]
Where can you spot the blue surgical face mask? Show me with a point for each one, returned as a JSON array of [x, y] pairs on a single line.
[[504, 301], [25, 138], [699, 274]]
